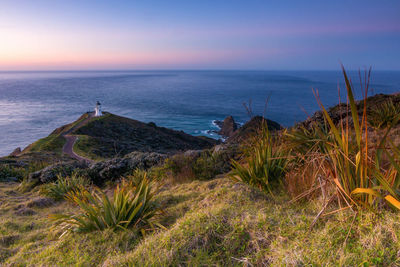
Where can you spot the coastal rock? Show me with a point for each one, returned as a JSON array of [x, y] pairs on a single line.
[[115, 168], [252, 127], [341, 112], [16, 152], [228, 127], [50, 173]]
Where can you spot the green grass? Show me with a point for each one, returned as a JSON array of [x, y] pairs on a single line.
[[53, 143], [88, 147], [214, 222]]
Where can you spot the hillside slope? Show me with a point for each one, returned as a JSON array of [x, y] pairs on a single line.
[[111, 135]]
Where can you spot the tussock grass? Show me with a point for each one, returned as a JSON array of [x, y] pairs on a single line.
[[384, 115], [355, 172], [130, 206], [264, 163], [64, 185]]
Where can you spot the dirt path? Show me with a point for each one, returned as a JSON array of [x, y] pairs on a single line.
[[68, 147]]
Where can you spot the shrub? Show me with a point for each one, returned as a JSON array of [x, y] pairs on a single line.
[[130, 206], [7, 171], [384, 115], [201, 166], [208, 165], [64, 185], [179, 168], [265, 163]]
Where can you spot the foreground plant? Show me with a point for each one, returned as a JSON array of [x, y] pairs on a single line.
[[264, 164], [130, 206], [355, 172]]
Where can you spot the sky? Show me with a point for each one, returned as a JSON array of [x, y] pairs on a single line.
[[169, 34]]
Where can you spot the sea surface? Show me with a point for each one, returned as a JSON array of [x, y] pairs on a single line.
[[33, 104]]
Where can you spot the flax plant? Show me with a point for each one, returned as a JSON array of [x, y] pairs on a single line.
[[265, 163], [358, 177], [130, 206]]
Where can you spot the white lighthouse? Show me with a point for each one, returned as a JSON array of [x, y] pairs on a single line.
[[97, 110]]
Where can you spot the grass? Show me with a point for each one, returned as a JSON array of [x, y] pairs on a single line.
[[130, 206], [53, 143], [88, 147], [214, 222]]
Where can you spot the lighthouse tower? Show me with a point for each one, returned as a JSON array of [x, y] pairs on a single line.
[[97, 110]]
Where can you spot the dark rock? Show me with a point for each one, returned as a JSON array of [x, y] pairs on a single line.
[[228, 127], [50, 173], [16, 152], [252, 127], [115, 168]]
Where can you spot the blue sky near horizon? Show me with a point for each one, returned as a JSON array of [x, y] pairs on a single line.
[[272, 35]]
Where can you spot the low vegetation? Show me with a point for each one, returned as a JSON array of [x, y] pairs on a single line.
[[384, 115], [198, 165], [64, 185], [130, 206], [265, 163]]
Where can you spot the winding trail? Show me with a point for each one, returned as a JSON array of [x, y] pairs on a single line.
[[68, 147]]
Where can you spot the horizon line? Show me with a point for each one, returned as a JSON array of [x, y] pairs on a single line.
[[180, 69]]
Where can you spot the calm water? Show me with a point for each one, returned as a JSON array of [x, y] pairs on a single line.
[[32, 104]]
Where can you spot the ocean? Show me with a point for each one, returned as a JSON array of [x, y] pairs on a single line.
[[33, 104]]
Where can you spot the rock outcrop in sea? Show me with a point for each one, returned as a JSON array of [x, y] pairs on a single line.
[[228, 127]]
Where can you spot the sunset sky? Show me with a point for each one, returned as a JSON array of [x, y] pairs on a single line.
[[271, 35]]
